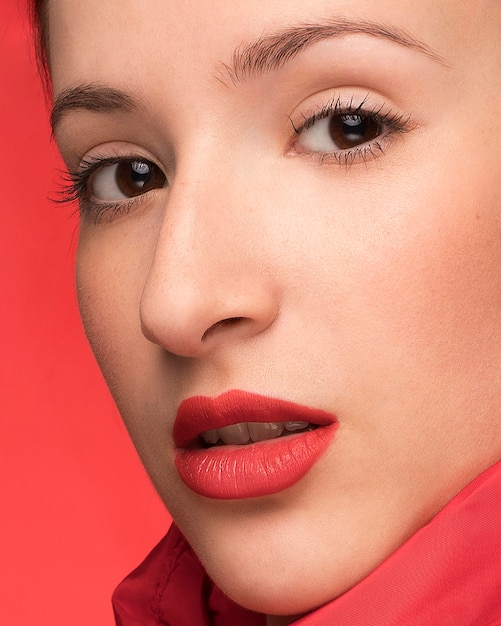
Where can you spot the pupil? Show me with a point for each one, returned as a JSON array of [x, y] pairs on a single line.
[[351, 130], [134, 178], [352, 120], [140, 173], [354, 126]]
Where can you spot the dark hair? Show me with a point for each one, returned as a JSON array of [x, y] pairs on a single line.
[[39, 17]]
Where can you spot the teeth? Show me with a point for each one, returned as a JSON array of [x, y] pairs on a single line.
[[236, 434], [262, 432], [246, 432], [293, 426]]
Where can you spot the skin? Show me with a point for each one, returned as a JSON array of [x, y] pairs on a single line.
[[372, 291]]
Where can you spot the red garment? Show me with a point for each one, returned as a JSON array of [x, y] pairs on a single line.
[[447, 574]]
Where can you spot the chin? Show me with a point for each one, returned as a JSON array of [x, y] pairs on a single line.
[[268, 569], [274, 593]]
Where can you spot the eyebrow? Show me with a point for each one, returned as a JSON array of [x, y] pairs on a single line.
[[267, 54], [271, 52], [92, 97]]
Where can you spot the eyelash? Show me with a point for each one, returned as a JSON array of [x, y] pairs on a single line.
[[397, 123], [74, 187]]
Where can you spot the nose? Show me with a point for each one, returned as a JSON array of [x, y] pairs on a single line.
[[208, 283]]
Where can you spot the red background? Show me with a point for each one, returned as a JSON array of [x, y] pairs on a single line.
[[77, 511]]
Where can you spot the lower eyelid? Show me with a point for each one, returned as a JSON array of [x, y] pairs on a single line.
[[370, 151], [100, 212]]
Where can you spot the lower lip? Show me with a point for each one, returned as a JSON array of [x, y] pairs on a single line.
[[253, 470]]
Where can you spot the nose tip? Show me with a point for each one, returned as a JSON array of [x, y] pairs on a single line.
[[191, 322]]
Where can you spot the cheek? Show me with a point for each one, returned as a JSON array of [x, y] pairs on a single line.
[[113, 260], [110, 277], [449, 275], [439, 284], [424, 345], [109, 292]]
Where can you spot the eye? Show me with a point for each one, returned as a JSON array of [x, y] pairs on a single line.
[[125, 179], [339, 132]]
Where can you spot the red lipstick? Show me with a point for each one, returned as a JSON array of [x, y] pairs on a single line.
[[256, 469]]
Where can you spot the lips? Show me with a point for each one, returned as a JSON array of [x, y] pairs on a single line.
[[256, 468]]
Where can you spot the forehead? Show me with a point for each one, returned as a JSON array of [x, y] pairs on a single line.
[[116, 41]]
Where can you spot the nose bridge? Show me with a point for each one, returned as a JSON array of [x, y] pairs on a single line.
[[206, 283]]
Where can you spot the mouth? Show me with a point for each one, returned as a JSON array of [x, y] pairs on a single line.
[[243, 445], [252, 432]]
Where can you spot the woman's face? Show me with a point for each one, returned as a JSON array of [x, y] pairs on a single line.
[[307, 207]]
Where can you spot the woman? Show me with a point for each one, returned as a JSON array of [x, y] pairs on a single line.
[[288, 270]]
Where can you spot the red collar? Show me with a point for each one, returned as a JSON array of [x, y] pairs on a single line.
[[447, 574]]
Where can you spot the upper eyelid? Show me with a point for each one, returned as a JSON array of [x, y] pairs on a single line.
[[95, 161], [336, 105], [91, 164], [111, 151]]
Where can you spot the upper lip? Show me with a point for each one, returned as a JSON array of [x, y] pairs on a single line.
[[198, 414]]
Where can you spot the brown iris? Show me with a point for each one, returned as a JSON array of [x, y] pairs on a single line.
[[350, 131], [134, 178]]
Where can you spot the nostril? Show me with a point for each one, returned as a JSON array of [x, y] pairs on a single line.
[[226, 322]]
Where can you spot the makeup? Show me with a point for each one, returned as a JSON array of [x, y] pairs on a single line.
[[252, 469]]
